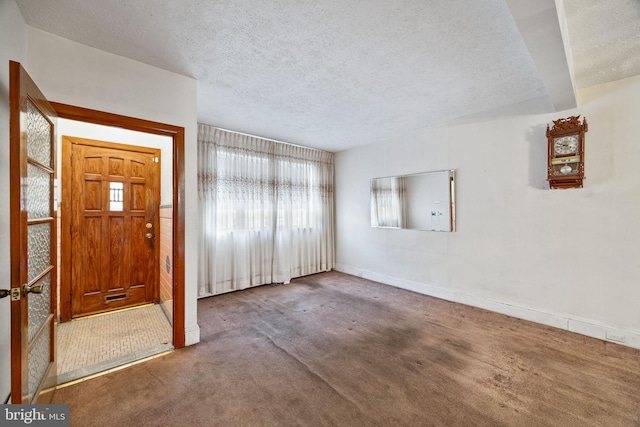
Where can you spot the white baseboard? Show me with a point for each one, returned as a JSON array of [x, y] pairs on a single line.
[[191, 335], [591, 328]]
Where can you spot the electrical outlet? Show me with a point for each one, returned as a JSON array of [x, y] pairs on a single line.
[[613, 336]]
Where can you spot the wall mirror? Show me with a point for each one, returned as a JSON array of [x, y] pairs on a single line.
[[420, 201]]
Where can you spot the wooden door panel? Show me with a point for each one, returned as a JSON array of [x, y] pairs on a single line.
[[138, 170], [116, 167], [92, 255], [93, 165], [116, 259], [138, 200], [139, 245], [93, 195], [115, 196]]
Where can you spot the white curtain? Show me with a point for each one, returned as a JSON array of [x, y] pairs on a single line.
[[266, 211]]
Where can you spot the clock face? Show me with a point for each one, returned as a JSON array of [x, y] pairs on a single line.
[[566, 144]]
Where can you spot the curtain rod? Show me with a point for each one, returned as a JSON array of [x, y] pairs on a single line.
[[268, 139]]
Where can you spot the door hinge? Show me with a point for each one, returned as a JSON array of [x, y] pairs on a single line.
[[72, 160]]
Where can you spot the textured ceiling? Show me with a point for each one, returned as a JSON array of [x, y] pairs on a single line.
[[335, 74], [605, 40]]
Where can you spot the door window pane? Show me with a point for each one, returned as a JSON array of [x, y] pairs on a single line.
[[38, 136], [39, 249], [116, 199], [38, 192], [39, 306], [39, 359]]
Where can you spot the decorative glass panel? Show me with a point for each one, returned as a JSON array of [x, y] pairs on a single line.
[[39, 249], [38, 192], [38, 136], [116, 199], [39, 306], [39, 359]]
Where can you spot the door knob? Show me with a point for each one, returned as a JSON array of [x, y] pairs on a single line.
[[33, 289], [4, 293]]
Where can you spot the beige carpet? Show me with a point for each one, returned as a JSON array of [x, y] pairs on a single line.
[[337, 350]]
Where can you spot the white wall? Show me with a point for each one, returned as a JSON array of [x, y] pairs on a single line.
[[567, 258], [76, 74], [13, 46]]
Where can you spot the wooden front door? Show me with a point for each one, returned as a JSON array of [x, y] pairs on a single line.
[[114, 218], [33, 238]]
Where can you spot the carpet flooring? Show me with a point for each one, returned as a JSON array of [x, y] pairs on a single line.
[[337, 350]]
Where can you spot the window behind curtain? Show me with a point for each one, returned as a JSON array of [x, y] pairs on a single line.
[[266, 211]]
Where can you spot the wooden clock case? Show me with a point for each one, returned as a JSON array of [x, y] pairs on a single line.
[[571, 126]]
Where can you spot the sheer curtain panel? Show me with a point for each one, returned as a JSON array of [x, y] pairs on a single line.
[[266, 211]]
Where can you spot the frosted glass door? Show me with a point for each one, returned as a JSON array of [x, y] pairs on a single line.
[[40, 245]]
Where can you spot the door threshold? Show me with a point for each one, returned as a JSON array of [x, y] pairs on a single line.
[[109, 366]]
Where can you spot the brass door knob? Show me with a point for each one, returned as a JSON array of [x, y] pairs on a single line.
[[34, 289]]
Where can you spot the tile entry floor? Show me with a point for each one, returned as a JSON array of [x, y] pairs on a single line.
[[97, 343]]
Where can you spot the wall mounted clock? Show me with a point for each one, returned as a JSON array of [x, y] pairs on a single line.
[[565, 164]]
